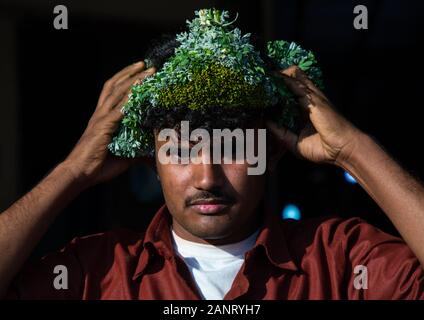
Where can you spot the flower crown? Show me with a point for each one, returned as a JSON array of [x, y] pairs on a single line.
[[215, 66]]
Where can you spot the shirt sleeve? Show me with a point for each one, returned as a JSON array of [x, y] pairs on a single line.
[[55, 276], [383, 266]]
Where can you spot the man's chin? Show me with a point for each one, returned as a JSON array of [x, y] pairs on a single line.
[[219, 225], [212, 227]]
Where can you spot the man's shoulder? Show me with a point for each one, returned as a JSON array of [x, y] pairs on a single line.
[[96, 253], [331, 228], [337, 233], [117, 239], [333, 248], [346, 243], [95, 257]]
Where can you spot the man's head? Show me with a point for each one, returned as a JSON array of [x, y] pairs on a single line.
[[216, 203]]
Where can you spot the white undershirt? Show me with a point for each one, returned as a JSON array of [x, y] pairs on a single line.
[[213, 267]]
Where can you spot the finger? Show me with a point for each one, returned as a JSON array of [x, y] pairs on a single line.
[[125, 98], [123, 101], [116, 112], [144, 74], [316, 96], [286, 136], [112, 100], [299, 74], [128, 72], [301, 91], [109, 84], [121, 92], [115, 116], [306, 97]]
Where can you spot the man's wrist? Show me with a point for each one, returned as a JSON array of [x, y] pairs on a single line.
[[362, 146], [78, 180]]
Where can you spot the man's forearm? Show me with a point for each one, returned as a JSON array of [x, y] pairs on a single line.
[[23, 224], [399, 194]]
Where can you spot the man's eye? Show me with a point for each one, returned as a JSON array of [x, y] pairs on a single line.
[[184, 152], [180, 153], [233, 155]]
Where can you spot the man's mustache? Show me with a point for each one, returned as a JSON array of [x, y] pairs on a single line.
[[208, 196]]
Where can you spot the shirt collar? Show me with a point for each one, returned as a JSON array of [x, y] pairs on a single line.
[[272, 238], [158, 240]]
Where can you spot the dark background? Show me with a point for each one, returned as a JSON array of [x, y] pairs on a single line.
[[50, 81]]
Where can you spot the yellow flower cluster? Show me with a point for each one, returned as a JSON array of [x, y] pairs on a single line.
[[213, 85]]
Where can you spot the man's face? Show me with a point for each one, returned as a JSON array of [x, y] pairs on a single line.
[[212, 202]]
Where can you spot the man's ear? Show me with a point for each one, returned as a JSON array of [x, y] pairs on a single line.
[[275, 151]]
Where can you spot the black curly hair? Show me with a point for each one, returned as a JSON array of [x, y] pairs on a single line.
[[159, 52]]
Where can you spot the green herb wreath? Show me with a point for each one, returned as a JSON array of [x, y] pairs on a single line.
[[214, 66]]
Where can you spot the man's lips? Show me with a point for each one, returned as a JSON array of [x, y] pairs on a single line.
[[210, 206]]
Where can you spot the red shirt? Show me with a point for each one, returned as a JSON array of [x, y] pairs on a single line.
[[310, 259]]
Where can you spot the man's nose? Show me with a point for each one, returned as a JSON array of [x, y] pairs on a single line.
[[208, 176]]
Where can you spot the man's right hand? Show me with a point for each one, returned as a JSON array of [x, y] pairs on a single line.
[[90, 160]]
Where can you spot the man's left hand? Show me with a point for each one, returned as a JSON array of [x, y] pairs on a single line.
[[327, 137]]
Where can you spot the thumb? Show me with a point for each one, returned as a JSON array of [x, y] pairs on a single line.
[[286, 136]]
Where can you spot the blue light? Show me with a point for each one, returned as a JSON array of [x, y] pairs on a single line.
[[349, 178], [291, 211]]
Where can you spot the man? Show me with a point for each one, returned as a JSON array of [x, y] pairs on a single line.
[[214, 238]]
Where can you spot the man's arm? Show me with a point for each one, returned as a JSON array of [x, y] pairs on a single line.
[[330, 138], [398, 194], [23, 224]]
